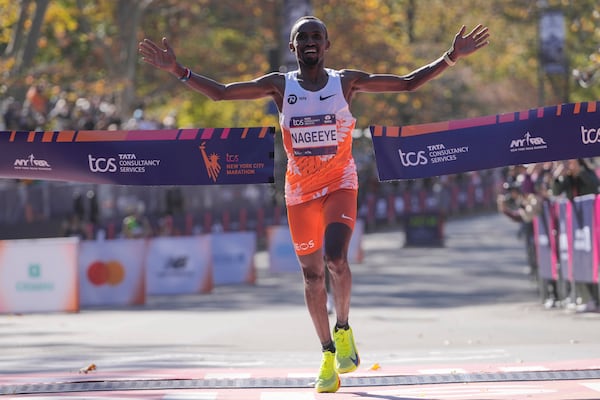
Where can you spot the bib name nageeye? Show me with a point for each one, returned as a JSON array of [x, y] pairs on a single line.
[[314, 135]]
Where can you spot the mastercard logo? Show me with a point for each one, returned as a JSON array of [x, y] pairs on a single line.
[[106, 273]]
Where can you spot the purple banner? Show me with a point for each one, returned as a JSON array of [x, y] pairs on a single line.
[[545, 134], [209, 156]]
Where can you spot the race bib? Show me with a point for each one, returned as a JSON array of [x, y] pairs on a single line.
[[314, 135]]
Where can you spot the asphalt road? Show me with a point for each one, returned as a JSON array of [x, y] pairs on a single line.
[[467, 306]]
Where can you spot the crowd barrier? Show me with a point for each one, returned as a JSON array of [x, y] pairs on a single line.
[[38, 210], [39, 275], [67, 274], [393, 208], [567, 240]]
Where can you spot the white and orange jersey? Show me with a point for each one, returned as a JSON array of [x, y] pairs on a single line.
[[317, 137]]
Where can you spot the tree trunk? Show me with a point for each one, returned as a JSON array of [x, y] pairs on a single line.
[[16, 40], [34, 34], [129, 15]]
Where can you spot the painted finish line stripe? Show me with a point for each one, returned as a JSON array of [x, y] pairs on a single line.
[[261, 383]]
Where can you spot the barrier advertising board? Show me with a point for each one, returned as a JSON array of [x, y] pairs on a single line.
[[39, 275]]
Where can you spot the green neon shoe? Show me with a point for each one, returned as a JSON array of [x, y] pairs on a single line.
[[328, 380], [346, 356]]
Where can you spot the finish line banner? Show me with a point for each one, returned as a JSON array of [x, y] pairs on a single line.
[[206, 156], [553, 133]]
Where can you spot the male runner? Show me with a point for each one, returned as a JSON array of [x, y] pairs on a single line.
[[321, 180]]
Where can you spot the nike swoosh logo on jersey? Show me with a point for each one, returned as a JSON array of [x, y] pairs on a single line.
[[344, 216], [326, 97], [354, 359]]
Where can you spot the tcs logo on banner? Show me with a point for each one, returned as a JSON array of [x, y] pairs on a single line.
[[106, 273], [412, 158], [101, 164], [590, 136]]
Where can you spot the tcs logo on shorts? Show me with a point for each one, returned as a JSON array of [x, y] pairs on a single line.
[[304, 246], [106, 273]]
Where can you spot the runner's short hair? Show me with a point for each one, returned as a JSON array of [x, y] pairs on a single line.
[[306, 18]]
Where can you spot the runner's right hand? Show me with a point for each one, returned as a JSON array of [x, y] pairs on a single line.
[[162, 58]]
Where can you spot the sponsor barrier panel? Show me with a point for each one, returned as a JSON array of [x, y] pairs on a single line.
[[178, 265], [585, 265], [112, 272], [207, 156], [39, 275], [551, 133], [545, 242], [282, 257], [233, 258], [565, 242]]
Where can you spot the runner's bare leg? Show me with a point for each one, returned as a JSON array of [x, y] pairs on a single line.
[[315, 294], [337, 240]]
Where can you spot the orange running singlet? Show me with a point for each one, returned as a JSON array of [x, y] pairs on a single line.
[[317, 137]]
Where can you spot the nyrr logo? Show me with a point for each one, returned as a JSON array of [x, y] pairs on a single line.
[[412, 158], [31, 163], [101, 164], [590, 136], [528, 142], [213, 168]]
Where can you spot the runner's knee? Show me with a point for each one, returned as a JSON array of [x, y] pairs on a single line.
[[313, 272], [337, 237]]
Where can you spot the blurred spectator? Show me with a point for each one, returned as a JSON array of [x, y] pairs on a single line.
[[522, 207], [37, 99], [75, 227], [78, 205], [575, 178], [12, 114], [60, 114], [136, 224], [94, 211], [174, 200], [166, 226]]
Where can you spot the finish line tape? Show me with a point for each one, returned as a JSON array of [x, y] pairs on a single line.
[[206, 156], [553, 133]]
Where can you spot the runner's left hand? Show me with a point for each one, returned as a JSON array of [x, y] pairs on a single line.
[[465, 45]]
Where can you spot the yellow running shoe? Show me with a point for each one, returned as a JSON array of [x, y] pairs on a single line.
[[346, 356], [328, 380]]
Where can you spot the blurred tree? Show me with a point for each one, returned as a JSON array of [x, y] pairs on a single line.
[[88, 46], [23, 42]]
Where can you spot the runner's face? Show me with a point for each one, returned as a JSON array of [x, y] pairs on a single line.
[[310, 43]]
